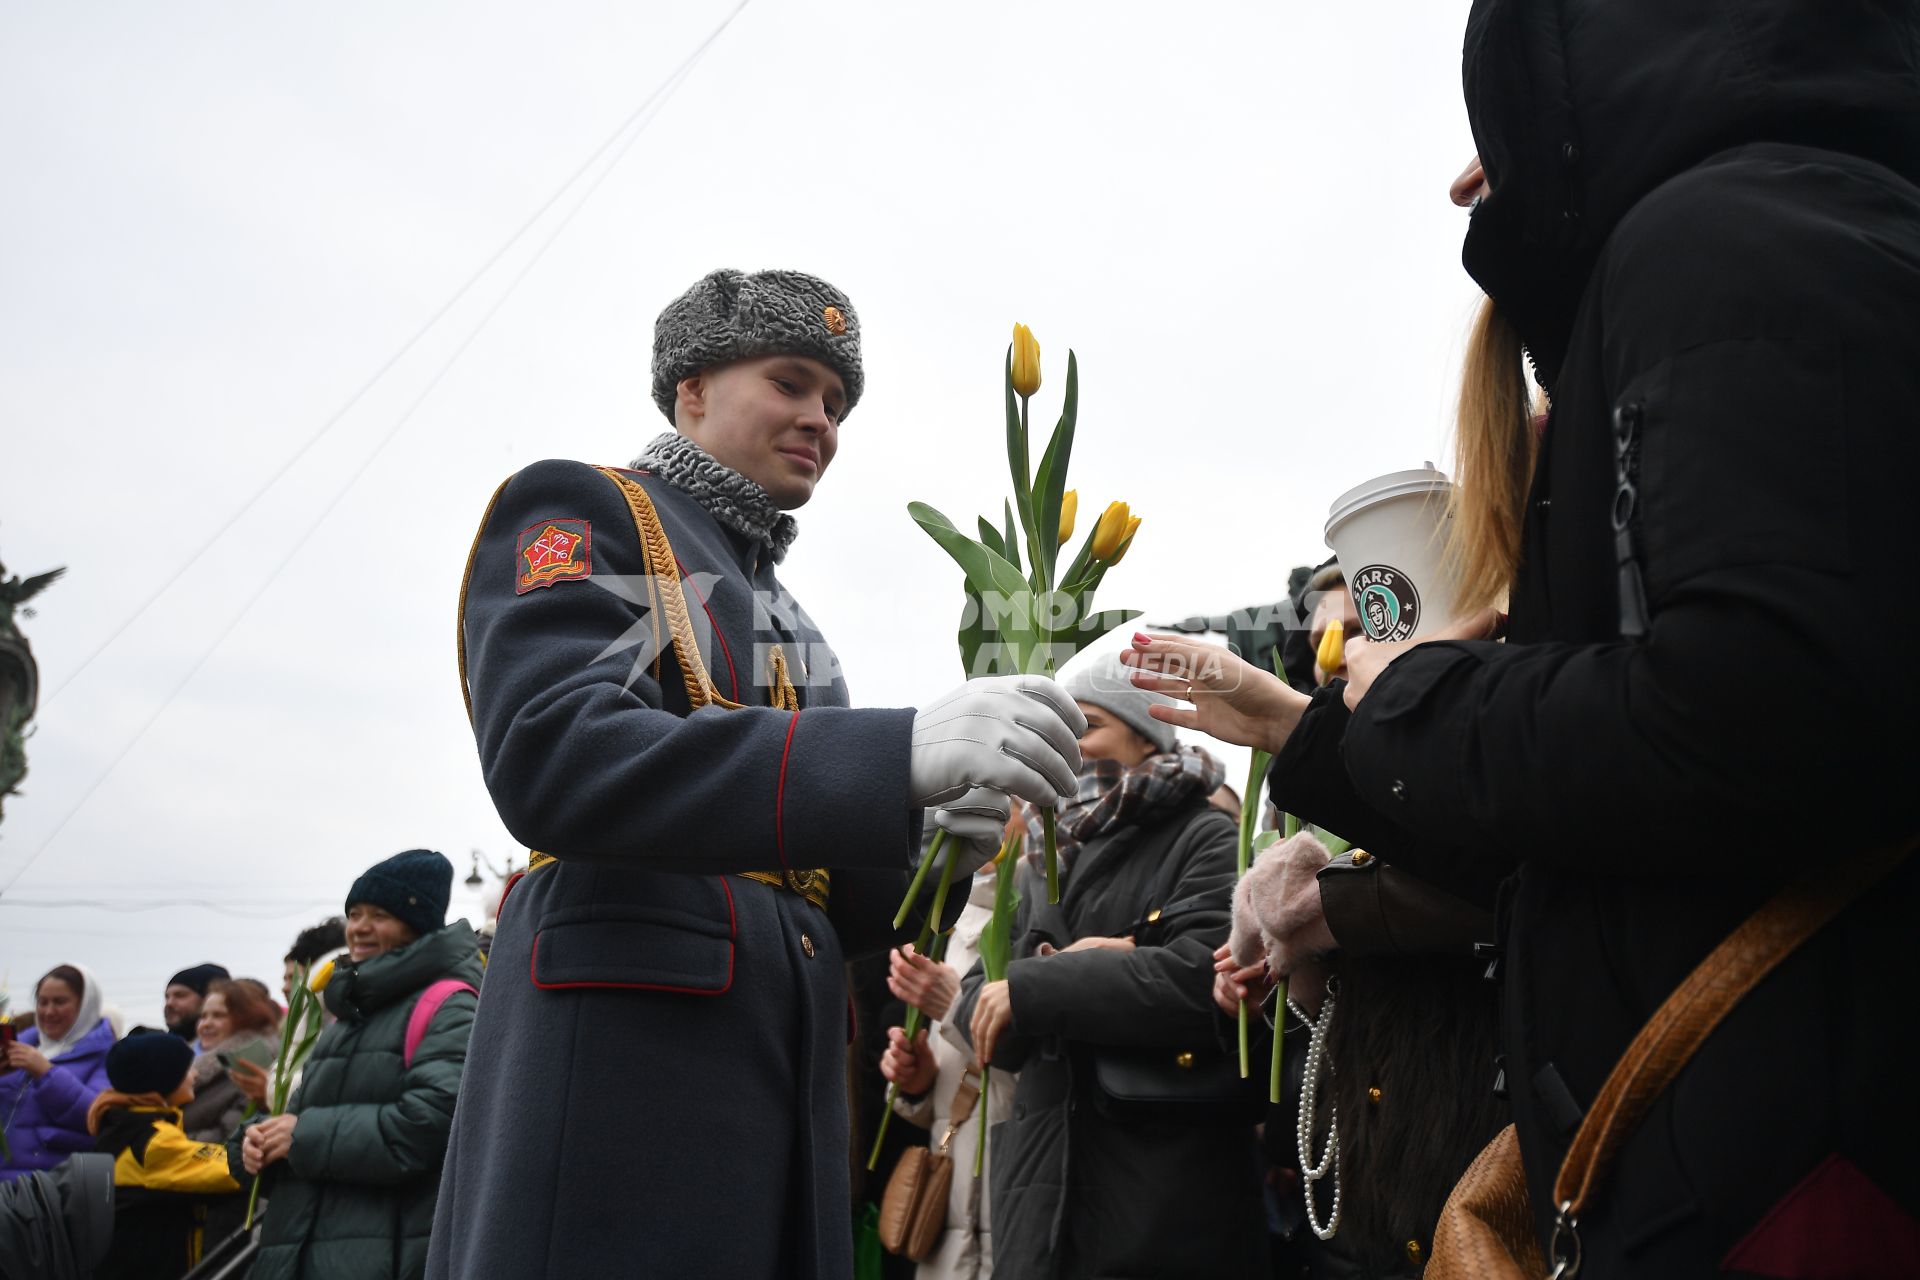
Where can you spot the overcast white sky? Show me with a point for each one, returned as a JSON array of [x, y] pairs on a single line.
[[223, 219]]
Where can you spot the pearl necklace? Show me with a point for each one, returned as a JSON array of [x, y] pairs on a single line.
[[1329, 1164]]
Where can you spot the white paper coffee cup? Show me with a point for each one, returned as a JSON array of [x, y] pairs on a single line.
[[1389, 535]]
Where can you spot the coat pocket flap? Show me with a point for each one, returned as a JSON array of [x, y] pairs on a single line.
[[642, 948]]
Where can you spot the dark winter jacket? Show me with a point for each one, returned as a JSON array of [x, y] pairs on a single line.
[[49, 1115], [1076, 1192], [673, 1030], [1705, 222], [164, 1181], [355, 1194]]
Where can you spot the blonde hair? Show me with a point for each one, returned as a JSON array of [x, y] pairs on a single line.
[[1495, 447]]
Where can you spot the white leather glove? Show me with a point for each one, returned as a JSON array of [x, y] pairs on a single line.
[[1017, 735], [976, 825]]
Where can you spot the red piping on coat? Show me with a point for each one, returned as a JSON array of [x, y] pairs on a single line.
[[512, 880], [780, 797], [533, 965], [719, 635]]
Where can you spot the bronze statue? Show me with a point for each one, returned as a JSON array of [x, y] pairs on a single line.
[[19, 677]]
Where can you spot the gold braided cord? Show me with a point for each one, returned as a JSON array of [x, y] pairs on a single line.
[[658, 561], [784, 697]]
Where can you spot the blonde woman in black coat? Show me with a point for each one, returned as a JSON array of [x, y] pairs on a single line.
[[1703, 223]]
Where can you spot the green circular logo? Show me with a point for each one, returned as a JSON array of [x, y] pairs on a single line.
[[1389, 604]]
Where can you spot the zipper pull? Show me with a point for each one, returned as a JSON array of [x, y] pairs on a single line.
[[1626, 500]]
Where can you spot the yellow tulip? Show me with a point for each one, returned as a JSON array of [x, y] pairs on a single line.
[[321, 976], [1333, 647], [1026, 361], [1069, 508], [1112, 530], [1126, 540]]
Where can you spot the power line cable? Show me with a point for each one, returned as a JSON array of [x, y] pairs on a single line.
[[662, 95], [664, 87], [305, 907]]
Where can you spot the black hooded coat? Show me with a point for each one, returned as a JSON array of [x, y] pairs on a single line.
[[1705, 223]]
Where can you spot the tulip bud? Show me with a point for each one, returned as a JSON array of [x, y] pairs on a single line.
[[1026, 361], [1069, 508], [321, 976], [1126, 540], [1111, 532], [1333, 647]]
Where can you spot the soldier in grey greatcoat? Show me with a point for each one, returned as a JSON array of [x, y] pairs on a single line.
[[655, 1084]]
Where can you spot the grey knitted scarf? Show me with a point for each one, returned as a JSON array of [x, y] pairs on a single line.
[[1112, 796], [728, 496]]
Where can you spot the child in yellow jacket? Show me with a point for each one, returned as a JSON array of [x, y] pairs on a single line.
[[162, 1179]]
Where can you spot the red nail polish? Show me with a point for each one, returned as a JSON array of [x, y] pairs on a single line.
[[1141, 637]]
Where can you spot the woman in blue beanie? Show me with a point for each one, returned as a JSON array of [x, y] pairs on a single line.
[[352, 1168]]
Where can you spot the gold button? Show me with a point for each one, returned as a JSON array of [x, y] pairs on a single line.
[[1185, 1060], [1413, 1251], [806, 945], [1373, 1095], [1361, 857]]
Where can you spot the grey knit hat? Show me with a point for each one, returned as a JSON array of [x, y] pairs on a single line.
[[733, 315], [1107, 683]]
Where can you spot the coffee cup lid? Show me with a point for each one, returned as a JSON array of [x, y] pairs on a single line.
[[1395, 484]]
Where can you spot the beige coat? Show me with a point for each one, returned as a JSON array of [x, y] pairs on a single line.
[[965, 1251]]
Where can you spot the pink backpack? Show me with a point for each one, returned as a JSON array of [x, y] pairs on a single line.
[[423, 1010]]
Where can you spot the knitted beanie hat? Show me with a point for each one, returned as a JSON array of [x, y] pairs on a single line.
[[149, 1062], [413, 887], [199, 977], [1105, 683], [733, 315]]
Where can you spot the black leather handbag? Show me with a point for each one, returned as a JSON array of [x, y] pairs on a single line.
[[1197, 1086]]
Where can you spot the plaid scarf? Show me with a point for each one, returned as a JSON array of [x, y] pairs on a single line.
[[1112, 796]]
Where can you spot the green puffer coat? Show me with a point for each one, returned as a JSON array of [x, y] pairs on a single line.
[[355, 1196]]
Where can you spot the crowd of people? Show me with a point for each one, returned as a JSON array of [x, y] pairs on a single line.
[[1581, 942], [343, 1177]]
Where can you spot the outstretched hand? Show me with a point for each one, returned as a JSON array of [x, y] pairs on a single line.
[[1232, 699]]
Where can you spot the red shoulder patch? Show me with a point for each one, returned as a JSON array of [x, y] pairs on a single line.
[[552, 551]]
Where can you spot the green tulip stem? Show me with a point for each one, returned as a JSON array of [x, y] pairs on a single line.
[[880, 1135], [1053, 855], [980, 1146], [1246, 1066], [1036, 558], [296, 1009], [919, 878], [1243, 857], [940, 896], [1279, 1039]]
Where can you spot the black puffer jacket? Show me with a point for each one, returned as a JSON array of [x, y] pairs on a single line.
[[1705, 222]]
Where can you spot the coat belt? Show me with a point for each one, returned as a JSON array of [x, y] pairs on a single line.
[[811, 885]]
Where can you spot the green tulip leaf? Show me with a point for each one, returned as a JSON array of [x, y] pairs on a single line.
[[986, 570], [1011, 538], [1078, 575], [990, 538], [1050, 486], [1092, 628]]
